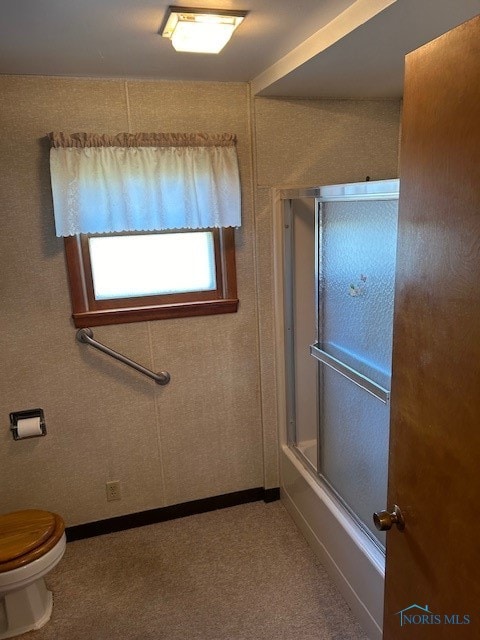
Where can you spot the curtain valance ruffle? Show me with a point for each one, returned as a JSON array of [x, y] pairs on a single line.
[[81, 140], [144, 182]]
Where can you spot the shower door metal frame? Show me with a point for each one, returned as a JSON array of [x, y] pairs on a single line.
[[321, 196], [325, 195], [288, 196], [289, 320]]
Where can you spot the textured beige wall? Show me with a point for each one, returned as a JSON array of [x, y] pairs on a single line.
[[197, 437], [318, 142], [202, 434], [308, 143]]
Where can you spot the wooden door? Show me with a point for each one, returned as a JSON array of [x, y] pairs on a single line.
[[433, 567]]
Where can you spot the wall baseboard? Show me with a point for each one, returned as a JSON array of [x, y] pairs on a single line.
[[153, 516]]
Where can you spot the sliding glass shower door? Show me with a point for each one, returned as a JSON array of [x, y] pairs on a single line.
[[355, 279], [355, 249]]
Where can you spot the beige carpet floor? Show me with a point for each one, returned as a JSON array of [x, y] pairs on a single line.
[[243, 573]]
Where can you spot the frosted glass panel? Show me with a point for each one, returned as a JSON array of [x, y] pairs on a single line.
[[354, 446], [356, 291], [155, 264], [358, 272]]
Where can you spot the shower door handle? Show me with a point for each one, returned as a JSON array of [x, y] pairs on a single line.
[[384, 520]]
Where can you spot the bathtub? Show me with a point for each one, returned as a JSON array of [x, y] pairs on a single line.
[[309, 449], [352, 559]]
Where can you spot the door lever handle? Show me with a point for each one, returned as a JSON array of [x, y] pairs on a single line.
[[384, 520]]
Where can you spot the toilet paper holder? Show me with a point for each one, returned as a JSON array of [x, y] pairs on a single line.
[[16, 416]]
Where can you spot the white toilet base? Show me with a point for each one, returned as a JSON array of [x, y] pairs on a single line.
[[25, 610]]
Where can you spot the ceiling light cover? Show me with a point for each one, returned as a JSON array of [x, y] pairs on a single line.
[[200, 30]]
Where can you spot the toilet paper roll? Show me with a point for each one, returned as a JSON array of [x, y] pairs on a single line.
[[29, 427]]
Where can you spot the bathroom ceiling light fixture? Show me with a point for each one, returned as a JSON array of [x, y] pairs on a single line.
[[200, 30]]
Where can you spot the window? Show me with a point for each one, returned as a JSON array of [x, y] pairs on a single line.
[[117, 278], [148, 223], [140, 265]]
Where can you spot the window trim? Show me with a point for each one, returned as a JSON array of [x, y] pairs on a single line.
[[90, 312]]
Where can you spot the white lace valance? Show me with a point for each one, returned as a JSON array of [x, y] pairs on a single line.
[[143, 182]]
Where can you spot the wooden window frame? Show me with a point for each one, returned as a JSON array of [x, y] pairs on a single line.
[[89, 312]]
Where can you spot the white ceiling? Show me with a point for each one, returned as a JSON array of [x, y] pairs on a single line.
[[318, 48]]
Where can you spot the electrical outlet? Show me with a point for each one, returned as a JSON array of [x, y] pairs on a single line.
[[113, 491]]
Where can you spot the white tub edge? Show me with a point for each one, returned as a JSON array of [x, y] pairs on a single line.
[[352, 560]]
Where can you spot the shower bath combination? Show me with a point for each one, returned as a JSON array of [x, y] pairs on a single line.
[[335, 295]]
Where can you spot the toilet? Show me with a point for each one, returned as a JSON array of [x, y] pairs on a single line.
[[32, 542]]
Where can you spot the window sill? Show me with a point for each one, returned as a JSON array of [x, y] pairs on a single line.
[[143, 314]]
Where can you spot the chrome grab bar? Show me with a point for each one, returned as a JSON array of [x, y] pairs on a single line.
[[86, 336]]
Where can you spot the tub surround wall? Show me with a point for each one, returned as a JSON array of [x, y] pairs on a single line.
[[213, 429]]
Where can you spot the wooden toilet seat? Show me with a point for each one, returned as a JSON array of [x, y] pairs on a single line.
[[26, 536]]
